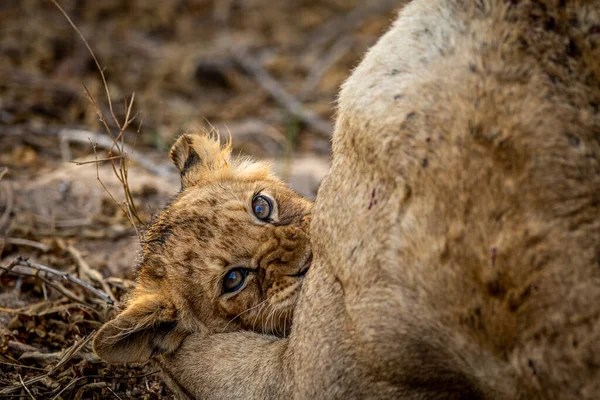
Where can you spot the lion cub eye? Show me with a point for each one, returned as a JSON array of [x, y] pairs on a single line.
[[234, 280], [262, 207]]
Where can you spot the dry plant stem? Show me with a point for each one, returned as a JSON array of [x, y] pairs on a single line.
[[100, 69], [22, 366], [86, 270], [69, 353], [274, 88], [74, 381], [97, 161], [65, 150], [24, 242], [55, 285], [105, 188], [60, 288], [7, 190], [83, 136], [89, 386], [11, 311], [113, 393], [8, 390], [121, 171], [39, 267], [25, 387], [126, 210]]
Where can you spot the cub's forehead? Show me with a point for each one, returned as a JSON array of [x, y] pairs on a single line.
[[211, 211], [223, 194], [230, 201], [200, 216]]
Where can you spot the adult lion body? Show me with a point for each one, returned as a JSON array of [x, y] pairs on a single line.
[[456, 239]]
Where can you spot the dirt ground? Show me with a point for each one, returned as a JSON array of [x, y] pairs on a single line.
[[265, 72]]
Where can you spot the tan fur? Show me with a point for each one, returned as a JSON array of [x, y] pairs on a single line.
[[207, 230], [457, 237]]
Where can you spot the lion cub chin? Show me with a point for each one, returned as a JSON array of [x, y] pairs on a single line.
[[229, 253]]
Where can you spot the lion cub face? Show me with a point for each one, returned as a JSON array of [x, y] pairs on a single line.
[[229, 253]]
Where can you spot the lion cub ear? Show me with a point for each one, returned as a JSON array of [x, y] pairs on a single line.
[[145, 328], [197, 155]]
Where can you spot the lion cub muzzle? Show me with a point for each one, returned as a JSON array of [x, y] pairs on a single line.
[[284, 259]]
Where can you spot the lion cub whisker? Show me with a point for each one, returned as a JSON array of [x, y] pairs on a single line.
[[245, 311]]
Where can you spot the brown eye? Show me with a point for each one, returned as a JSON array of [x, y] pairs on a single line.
[[262, 207], [234, 280]]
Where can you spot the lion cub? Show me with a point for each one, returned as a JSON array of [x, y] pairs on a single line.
[[228, 253]]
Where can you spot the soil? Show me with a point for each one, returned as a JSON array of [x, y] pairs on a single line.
[[182, 60]]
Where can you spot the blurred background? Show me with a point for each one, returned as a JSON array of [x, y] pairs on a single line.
[[266, 72]]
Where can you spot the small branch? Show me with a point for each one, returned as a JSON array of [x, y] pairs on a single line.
[[25, 387], [123, 210], [86, 270], [124, 378], [118, 142], [22, 366], [10, 389], [55, 285], [279, 94], [7, 189], [89, 386], [68, 354], [24, 242], [97, 161], [71, 352], [71, 383], [100, 69], [83, 136], [113, 393], [39, 267]]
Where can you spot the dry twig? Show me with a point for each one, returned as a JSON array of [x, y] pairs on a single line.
[[85, 271], [113, 393], [22, 366], [118, 141], [74, 381], [100, 69], [25, 387], [83, 136], [25, 242], [68, 355], [56, 285], [24, 262], [89, 386], [6, 190], [71, 352]]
